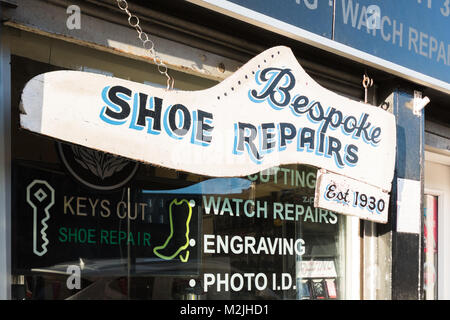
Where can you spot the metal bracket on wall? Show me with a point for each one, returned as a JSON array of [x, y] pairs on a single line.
[[419, 103]]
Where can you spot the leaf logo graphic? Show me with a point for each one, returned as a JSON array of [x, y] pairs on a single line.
[[101, 164], [96, 169]]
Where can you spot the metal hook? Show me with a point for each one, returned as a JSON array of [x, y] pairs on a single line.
[[366, 82], [385, 105], [170, 81]]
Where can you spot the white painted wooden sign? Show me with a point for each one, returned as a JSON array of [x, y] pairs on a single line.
[[348, 196], [268, 113]]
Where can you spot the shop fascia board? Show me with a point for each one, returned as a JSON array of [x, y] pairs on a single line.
[[33, 16], [265, 22]]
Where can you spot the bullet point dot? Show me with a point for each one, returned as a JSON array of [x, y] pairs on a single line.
[[192, 203], [192, 283], [192, 242]]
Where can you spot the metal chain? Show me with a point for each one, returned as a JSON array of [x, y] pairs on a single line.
[[147, 44]]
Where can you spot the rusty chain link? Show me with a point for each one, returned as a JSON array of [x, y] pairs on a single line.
[[147, 43]]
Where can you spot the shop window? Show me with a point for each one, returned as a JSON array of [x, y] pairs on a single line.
[[89, 225]]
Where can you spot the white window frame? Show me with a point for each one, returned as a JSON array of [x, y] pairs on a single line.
[[443, 275], [352, 259], [441, 272]]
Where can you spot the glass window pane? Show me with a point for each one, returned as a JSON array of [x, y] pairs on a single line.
[[88, 225]]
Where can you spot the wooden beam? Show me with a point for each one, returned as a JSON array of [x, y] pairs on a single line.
[[32, 16]]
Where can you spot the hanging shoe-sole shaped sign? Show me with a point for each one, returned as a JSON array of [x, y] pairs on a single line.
[[268, 113]]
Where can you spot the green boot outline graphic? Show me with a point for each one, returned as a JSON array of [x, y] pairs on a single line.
[[183, 247]]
